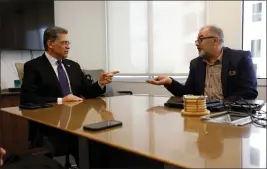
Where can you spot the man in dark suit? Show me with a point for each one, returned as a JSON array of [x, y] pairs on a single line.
[[30, 162], [54, 78], [219, 72]]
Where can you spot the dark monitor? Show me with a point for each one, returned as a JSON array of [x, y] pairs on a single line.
[[22, 23]]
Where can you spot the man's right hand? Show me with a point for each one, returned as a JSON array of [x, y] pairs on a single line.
[[71, 98], [160, 80], [2, 153]]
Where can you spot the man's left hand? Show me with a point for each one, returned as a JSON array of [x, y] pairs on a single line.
[[106, 78], [71, 104]]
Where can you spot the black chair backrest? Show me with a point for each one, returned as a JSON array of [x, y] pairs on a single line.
[[89, 78]]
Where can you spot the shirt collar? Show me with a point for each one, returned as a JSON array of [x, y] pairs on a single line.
[[218, 61], [220, 57], [51, 59]]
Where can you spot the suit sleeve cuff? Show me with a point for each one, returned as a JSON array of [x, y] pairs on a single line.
[[168, 85], [102, 86], [59, 100]]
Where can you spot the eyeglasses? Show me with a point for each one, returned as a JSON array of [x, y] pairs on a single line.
[[199, 40], [65, 42]]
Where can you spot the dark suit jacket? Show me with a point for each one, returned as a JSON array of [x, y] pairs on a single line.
[[41, 85], [243, 83]]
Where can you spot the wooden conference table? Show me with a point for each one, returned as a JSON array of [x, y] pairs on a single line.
[[153, 131]]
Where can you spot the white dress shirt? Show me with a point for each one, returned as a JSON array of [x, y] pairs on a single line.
[[54, 64]]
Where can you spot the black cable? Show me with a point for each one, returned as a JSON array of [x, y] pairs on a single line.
[[254, 114], [255, 119]]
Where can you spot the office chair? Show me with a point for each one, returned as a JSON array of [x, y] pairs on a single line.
[[52, 154], [20, 70]]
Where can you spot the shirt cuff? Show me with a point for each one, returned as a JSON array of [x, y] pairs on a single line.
[[59, 100], [102, 86]]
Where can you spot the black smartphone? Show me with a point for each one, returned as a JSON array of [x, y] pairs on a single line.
[[102, 125]]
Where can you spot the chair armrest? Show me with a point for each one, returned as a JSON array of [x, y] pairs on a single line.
[[117, 93], [125, 92]]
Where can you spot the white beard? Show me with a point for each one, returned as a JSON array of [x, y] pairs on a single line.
[[201, 53]]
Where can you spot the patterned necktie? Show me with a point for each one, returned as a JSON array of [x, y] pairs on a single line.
[[62, 77]]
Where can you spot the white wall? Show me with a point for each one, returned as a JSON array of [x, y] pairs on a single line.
[[8, 72], [228, 16], [85, 21]]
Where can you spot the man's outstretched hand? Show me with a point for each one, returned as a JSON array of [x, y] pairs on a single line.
[[106, 78], [160, 80]]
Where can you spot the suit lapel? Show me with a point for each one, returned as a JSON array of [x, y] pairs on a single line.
[[202, 76], [50, 71], [225, 68]]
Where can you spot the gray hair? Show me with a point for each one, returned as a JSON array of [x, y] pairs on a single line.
[[51, 33], [214, 30]]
